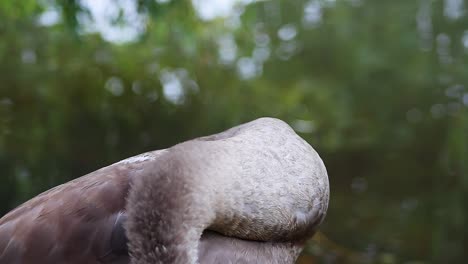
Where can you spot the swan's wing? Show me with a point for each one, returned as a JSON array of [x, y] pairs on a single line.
[[71, 223], [217, 249]]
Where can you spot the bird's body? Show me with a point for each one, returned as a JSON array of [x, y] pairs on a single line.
[[251, 194]]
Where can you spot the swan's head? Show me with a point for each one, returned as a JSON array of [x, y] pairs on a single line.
[[258, 181]]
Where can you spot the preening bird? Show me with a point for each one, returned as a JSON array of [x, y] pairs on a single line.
[[252, 194]]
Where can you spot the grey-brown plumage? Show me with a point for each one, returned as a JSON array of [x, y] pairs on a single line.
[[251, 194]]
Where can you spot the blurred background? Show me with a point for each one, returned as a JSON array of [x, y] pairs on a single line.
[[379, 88]]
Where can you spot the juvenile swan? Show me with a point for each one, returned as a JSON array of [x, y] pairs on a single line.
[[252, 194]]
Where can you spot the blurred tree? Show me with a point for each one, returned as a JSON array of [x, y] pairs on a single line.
[[378, 88]]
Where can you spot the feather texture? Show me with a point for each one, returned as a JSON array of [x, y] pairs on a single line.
[[259, 188]]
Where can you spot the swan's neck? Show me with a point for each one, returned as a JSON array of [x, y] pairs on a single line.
[[167, 213]]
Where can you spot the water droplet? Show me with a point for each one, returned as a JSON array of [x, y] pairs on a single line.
[[465, 39], [465, 99], [172, 87], [312, 13], [246, 68], [103, 14], [49, 17], [261, 54], [115, 86], [287, 32], [303, 126], [453, 9]]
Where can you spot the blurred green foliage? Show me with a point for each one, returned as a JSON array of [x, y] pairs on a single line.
[[379, 88]]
